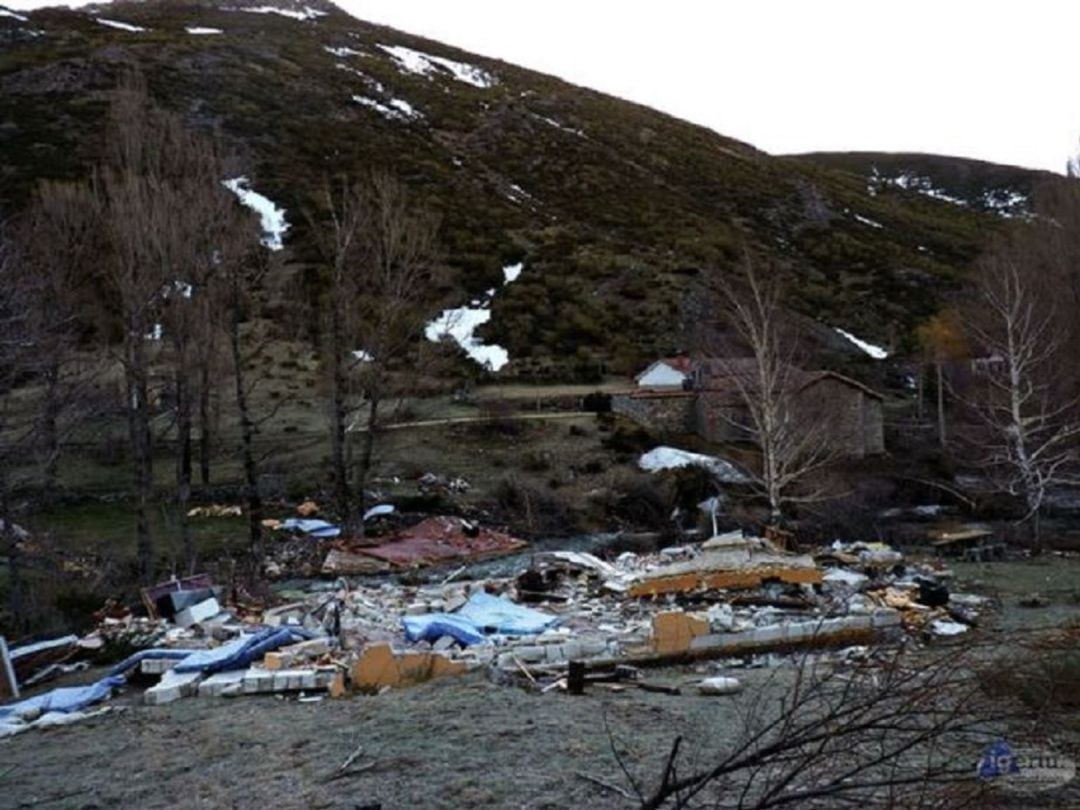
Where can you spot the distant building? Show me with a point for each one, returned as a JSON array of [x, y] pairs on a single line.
[[669, 373], [711, 403]]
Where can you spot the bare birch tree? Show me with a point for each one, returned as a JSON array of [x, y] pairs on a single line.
[[1030, 417], [382, 258], [57, 236], [792, 437]]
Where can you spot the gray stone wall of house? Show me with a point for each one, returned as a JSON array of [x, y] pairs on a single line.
[[671, 414], [873, 426], [717, 420]]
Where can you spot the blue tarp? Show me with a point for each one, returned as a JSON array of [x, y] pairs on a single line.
[[433, 626], [66, 699], [482, 615], [241, 651], [311, 526]]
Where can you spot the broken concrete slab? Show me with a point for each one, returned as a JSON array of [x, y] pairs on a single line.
[[173, 686], [220, 682], [727, 570], [380, 666], [199, 612], [674, 630]]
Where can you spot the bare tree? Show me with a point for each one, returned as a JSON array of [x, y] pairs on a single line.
[[57, 235], [1024, 401], [791, 434], [159, 193], [240, 269], [894, 731], [382, 258], [17, 338]]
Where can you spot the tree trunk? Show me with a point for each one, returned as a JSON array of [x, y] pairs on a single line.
[[942, 437], [204, 425], [50, 434], [183, 469], [247, 444], [139, 428], [339, 435], [367, 450], [920, 392]]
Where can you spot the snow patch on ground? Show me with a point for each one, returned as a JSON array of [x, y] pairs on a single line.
[[7, 13], [867, 221], [552, 122], [395, 109], [424, 64], [671, 458], [306, 14], [876, 352], [342, 52], [271, 217], [197, 30], [120, 26], [363, 356], [517, 194], [512, 271], [460, 325]]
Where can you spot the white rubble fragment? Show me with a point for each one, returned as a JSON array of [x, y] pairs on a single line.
[[719, 685], [669, 458]]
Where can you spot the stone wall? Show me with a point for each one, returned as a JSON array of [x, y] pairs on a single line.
[[673, 413]]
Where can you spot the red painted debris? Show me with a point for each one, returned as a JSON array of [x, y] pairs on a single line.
[[441, 540]]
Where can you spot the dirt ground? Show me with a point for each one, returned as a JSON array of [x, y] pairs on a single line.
[[459, 742]]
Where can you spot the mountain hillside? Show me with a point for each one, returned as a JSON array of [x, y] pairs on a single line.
[[982, 186], [616, 212]]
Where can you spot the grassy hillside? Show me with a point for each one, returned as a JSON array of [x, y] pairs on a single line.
[[619, 212]]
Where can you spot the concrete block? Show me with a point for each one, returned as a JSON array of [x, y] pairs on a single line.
[[173, 686], [531, 653], [219, 682], [198, 612], [157, 666], [673, 631]]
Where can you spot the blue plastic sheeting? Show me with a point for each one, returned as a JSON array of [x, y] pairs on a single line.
[[241, 651], [494, 614], [311, 526], [482, 615], [433, 626], [66, 699], [135, 659]]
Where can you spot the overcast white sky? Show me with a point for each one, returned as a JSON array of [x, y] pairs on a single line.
[[994, 80]]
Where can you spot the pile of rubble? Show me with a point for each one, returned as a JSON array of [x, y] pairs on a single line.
[[564, 617]]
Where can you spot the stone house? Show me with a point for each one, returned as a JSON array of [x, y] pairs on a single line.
[[712, 405]]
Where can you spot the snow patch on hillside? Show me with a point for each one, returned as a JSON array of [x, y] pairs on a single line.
[[867, 221], [460, 325], [342, 52], [199, 31], [395, 109], [307, 14], [271, 217], [8, 13], [511, 272], [876, 352], [120, 26], [551, 122], [424, 64]]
